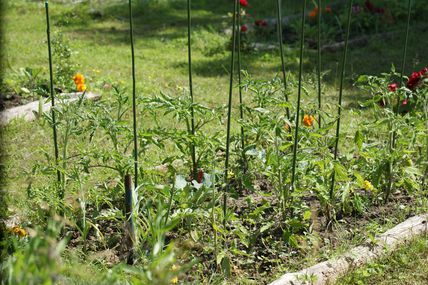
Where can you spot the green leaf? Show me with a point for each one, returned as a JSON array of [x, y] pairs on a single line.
[[340, 172], [266, 227], [360, 179], [359, 139], [225, 266], [307, 215]]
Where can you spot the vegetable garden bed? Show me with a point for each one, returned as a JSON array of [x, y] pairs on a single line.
[[223, 194]]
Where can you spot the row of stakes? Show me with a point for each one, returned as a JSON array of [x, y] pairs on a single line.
[[236, 24]]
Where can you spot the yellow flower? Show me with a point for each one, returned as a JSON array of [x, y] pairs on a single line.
[[230, 174], [81, 87], [308, 120], [174, 280], [18, 231], [79, 79], [367, 185]]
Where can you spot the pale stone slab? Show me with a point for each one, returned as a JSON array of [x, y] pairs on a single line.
[[329, 271], [28, 111]]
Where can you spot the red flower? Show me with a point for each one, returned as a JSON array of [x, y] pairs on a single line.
[[414, 79], [404, 103], [244, 29], [328, 9], [244, 3], [392, 87]]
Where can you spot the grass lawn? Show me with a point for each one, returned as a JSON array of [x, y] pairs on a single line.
[[408, 265]]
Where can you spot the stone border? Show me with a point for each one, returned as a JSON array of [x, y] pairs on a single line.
[[329, 271], [28, 111]]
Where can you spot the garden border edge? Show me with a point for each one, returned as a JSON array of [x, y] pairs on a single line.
[[329, 271], [28, 111]]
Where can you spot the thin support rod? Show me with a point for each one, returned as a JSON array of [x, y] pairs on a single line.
[[319, 63], [192, 111], [281, 51], [53, 114], [339, 109], [241, 106], [406, 40], [134, 99], [129, 215], [299, 93], [229, 114], [393, 136]]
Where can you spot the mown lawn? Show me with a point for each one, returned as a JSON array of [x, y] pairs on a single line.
[[408, 265]]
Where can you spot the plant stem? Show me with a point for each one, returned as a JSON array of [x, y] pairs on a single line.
[[339, 109], [299, 93], [53, 114], [281, 50], [319, 62], [192, 112], [134, 100], [229, 114]]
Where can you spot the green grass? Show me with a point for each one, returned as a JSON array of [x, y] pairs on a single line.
[[409, 265]]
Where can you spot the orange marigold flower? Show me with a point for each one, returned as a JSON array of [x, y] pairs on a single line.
[[78, 79], [308, 120], [81, 87], [313, 13]]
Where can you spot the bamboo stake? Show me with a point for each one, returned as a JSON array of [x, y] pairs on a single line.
[[229, 114], [299, 93], [281, 50], [339, 109], [134, 100], [393, 135], [51, 86], [241, 107], [189, 49], [130, 226]]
